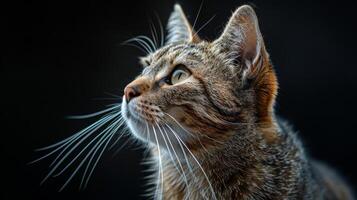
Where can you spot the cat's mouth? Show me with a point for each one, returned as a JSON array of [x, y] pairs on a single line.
[[142, 111], [151, 125]]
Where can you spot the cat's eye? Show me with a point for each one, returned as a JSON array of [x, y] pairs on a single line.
[[179, 74]]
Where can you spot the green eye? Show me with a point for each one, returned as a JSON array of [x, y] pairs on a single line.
[[179, 74]]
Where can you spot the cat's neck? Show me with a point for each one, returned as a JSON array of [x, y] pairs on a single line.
[[233, 166]]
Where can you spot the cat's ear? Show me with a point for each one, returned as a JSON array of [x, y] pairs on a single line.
[[179, 29], [241, 41], [241, 44]]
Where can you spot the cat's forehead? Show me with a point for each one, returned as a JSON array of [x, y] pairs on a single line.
[[184, 49], [174, 54]]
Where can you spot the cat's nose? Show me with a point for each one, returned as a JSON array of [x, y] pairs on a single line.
[[131, 91], [136, 88]]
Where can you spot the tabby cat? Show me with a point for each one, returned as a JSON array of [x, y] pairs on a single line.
[[205, 109]]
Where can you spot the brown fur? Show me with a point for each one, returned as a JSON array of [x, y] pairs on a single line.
[[214, 135]]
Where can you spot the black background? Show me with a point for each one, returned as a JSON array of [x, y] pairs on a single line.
[[60, 55]]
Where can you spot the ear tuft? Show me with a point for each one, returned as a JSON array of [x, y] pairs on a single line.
[[179, 29]]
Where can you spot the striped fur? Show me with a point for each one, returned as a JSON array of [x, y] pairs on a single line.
[[215, 135]]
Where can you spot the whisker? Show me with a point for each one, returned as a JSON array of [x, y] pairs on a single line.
[[183, 151], [70, 139], [205, 24], [57, 143], [88, 134], [154, 34], [143, 37], [198, 163], [167, 146], [65, 156], [63, 141], [113, 95], [144, 50], [141, 42], [160, 167], [145, 45], [178, 160], [94, 114], [77, 156], [104, 99], [162, 36], [147, 131], [113, 131], [203, 135], [102, 140], [185, 156], [117, 140], [198, 14], [120, 148], [179, 124], [199, 140]]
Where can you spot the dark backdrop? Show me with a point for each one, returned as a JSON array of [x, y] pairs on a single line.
[[58, 56]]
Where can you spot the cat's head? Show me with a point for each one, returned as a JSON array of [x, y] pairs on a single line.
[[197, 92]]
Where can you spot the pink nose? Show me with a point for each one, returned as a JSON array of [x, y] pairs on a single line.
[[131, 92]]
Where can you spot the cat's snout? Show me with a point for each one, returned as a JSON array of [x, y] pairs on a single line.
[[135, 89], [131, 92]]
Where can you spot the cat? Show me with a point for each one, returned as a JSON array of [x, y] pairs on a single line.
[[205, 110]]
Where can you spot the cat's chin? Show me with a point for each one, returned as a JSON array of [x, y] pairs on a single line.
[[137, 127], [167, 136]]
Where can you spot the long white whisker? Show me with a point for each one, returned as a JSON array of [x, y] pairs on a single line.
[[97, 147], [167, 146], [154, 34], [147, 131], [80, 153], [86, 135], [122, 133], [162, 36], [68, 141], [100, 142], [120, 148], [144, 50], [178, 160], [188, 132], [185, 155], [198, 14], [141, 42], [65, 141], [183, 150], [198, 163], [94, 114], [113, 95], [149, 40], [76, 134], [198, 138], [65, 156], [60, 142], [160, 169], [205, 24], [144, 44], [113, 131], [192, 134]]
